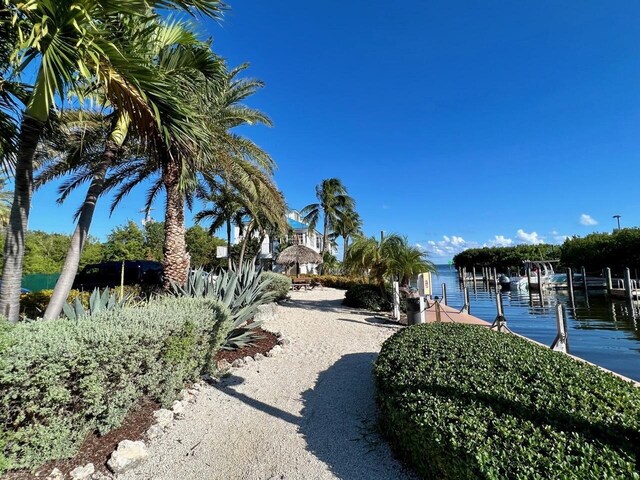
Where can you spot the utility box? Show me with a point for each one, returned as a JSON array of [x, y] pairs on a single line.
[[424, 284]]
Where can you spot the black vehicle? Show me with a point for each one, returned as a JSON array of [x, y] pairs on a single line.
[[108, 274]]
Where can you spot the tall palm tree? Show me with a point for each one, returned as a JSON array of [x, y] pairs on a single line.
[[347, 226], [223, 154], [333, 201], [89, 154], [74, 42]]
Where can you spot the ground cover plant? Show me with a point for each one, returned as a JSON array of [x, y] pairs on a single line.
[[62, 379], [461, 401], [341, 282]]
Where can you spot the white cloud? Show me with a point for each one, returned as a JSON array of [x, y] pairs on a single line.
[[587, 220], [531, 238], [447, 247], [501, 241], [457, 241]]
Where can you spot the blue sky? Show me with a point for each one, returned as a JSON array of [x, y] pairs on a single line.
[[455, 123]]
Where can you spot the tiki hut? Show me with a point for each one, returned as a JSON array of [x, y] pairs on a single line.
[[298, 254]]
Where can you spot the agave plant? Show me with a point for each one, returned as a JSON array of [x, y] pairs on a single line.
[[98, 302], [241, 290]]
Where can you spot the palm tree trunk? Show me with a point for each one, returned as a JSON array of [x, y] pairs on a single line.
[[245, 240], [346, 247], [79, 238], [229, 243], [30, 132], [176, 258]]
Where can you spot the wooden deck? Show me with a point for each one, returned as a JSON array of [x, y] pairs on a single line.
[[622, 293]]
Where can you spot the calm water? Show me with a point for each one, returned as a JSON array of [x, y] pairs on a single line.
[[602, 331]]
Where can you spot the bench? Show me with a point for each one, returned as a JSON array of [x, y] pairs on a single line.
[[298, 283]]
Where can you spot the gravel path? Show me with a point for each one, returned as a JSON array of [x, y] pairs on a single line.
[[308, 413]]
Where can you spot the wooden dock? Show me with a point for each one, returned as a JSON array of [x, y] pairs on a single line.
[[622, 293]]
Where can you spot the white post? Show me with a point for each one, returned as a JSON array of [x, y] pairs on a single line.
[[561, 344], [396, 301], [423, 310]]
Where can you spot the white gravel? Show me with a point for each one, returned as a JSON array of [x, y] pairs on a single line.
[[307, 413]]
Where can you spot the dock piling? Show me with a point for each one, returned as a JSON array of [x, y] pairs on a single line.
[[561, 342], [627, 285], [570, 285], [396, 301], [607, 276], [444, 293], [500, 323], [539, 276], [474, 275]]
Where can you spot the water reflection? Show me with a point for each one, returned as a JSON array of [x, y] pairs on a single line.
[[602, 331]]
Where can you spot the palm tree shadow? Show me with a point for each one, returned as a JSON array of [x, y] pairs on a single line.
[[339, 422]]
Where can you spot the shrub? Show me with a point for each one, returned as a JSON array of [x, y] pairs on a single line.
[[335, 281], [61, 379], [367, 297], [33, 304], [279, 285], [462, 402]]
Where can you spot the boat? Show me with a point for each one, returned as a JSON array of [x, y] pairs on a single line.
[[545, 267], [559, 282]]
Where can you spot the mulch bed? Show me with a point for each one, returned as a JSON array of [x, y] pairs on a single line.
[[97, 450], [266, 342]]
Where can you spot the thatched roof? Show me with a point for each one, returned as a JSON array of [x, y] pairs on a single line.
[[298, 254]]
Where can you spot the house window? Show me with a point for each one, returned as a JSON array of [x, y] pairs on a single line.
[[298, 239], [318, 242]]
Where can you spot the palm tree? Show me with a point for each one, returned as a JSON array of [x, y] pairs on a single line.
[[391, 257], [333, 201], [223, 154], [75, 42], [347, 226], [88, 145]]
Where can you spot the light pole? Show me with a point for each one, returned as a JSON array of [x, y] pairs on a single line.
[[617, 217]]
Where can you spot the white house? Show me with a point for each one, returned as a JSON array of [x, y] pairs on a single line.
[[271, 247]]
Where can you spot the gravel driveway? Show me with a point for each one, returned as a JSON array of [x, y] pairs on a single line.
[[308, 413]]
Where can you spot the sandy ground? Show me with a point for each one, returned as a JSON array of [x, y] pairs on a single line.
[[308, 413]]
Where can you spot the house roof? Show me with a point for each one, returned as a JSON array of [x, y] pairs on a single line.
[[297, 225]]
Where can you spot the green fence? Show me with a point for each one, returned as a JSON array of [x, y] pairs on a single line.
[[40, 281]]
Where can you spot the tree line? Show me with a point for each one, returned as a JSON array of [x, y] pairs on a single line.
[[595, 251]]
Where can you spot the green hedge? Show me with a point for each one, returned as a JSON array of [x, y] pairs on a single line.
[[340, 282], [463, 402], [61, 379], [367, 297], [280, 284]]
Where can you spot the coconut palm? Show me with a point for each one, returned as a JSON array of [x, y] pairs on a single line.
[[88, 144], [223, 153], [406, 261], [333, 201], [5, 202], [347, 226], [75, 42]]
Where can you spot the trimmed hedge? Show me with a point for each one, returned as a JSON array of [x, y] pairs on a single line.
[[280, 285], [340, 282], [463, 402], [62, 379], [367, 297]]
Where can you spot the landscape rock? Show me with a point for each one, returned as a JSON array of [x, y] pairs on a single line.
[[55, 475], [248, 359], [178, 408], [128, 455], [258, 357], [101, 476], [283, 341], [237, 363], [154, 431], [163, 417], [197, 386], [82, 473], [224, 365], [274, 351]]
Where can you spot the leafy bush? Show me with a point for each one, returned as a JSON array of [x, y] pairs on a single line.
[[33, 304], [61, 379], [279, 285], [462, 402], [367, 297], [335, 281]]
